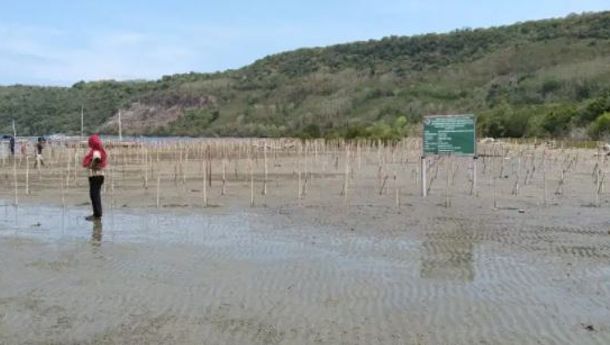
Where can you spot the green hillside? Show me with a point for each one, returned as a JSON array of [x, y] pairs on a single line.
[[542, 78]]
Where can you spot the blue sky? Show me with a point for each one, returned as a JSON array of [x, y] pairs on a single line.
[[61, 42]]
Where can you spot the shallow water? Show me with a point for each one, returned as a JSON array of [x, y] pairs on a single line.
[[51, 223], [249, 278]]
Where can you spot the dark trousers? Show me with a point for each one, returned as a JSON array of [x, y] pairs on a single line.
[[95, 186]]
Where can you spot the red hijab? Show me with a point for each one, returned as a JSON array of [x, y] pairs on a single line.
[[95, 144]]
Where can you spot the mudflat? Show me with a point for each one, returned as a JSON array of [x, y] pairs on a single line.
[[308, 264]]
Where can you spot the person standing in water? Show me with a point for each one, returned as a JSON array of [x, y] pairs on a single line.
[[39, 148], [11, 145], [95, 160]]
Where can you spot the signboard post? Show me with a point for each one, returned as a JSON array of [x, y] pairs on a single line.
[[424, 167], [451, 135]]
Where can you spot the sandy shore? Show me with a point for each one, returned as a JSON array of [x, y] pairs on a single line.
[[320, 269]]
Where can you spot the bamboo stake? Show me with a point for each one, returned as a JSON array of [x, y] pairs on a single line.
[[346, 177], [397, 189], [265, 177], [300, 189], [314, 162], [145, 168], [561, 182], [493, 192], [68, 161], [305, 171], [503, 156], [75, 166], [359, 155], [447, 202], [251, 182], [111, 182], [473, 187], [209, 158], [597, 188], [63, 193], [204, 183], [544, 177], [182, 169], [235, 165], [224, 177], [111, 173], [381, 189], [158, 187], [518, 177], [27, 175]]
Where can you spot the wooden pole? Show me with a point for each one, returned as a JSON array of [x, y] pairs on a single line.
[[63, 193], [265, 162], [474, 175], [306, 170], [517, 176], [75, 166], [251, 181], [424, 179], [346, 176], [183, 160], [385, 179], [210, 159], [224, 177], [158, 187], [176, 173], [397, 188], [447, 186], [27, 175], [204, 183], [300, 191], [544, 177], [111, 182], [145, 168], [597, 187], [493, 179], [111, 171], [68, 161]]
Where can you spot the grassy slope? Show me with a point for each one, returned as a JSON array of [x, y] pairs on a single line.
[[511, 76]]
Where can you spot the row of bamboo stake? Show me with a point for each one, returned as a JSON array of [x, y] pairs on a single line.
[[314, 159]]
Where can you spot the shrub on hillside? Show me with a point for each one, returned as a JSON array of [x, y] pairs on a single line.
[[600, 128]]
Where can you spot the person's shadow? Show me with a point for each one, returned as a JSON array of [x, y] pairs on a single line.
[[96, 234]]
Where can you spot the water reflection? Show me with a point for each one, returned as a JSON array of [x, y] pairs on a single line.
[[96, 234], [59, 224], [447, 259]]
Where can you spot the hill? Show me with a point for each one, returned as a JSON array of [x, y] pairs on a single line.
[[539, 78]]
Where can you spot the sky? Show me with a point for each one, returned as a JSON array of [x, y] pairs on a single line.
[[61, 42]]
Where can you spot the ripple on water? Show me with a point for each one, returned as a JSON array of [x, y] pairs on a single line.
[[160, 277]]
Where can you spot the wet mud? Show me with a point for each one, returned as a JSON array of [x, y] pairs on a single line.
[[305, 275]]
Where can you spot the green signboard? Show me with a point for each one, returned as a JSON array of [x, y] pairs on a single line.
[[449, 135]]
